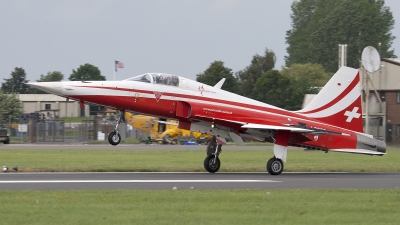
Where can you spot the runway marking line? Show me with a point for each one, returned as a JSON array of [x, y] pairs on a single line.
[[135, 181]]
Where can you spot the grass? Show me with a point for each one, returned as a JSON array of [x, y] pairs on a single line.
[[192, 160], [303, 206], [201, 207]]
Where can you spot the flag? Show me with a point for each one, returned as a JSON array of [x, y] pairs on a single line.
[[118, 64]]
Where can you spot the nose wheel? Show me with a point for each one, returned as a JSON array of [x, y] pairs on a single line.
[[212, 163], [114, 138], [274, 166]]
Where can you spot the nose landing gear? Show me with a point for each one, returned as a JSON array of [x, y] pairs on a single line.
[[114, 138], [212, 162]]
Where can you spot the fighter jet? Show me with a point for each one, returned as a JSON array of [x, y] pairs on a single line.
[[331, 122]]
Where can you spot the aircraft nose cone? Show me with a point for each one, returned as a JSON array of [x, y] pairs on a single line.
[[49, 87]]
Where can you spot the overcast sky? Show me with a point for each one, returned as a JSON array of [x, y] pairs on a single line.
[[180, 37]]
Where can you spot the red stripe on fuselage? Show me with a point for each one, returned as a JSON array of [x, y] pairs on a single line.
[[212, 100], [127, 102]]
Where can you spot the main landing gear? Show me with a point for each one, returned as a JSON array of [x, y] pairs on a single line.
[[212, 162], [274, 166], [114, 138]]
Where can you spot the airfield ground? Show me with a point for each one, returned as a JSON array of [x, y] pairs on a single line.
[[159, 158], [300, 206]]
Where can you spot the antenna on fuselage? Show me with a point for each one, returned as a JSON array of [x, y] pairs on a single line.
[[220, 83]]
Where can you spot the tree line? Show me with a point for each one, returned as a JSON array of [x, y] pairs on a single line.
[[17, 81], [16, 84], [318, 26], [285, 88]]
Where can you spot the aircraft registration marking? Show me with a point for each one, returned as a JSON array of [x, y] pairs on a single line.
[[217, 110], [135, 181]]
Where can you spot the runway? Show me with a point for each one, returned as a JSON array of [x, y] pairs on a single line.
[[198, 181], [182, 181]]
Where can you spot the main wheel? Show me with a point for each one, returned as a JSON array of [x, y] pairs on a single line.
[[212, 164], [114, 138], [274, 166]]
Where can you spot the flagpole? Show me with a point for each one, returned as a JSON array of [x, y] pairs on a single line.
[[115, 68]]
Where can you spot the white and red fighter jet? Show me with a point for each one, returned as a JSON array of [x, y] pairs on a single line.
[[331, 122]]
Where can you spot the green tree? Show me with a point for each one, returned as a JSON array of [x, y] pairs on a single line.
[[309, 77], [304, 79], [10, 107], [259, 65], [16, 83], [86, 72], [51, 77], [318, 26], [215, 72], [274, 89]]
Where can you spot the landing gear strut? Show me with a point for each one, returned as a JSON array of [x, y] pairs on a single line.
[[114, 138], [212, 162], [274, 166]]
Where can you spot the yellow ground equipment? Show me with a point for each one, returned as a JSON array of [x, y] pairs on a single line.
[[164, 130]]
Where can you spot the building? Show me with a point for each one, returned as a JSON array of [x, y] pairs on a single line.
[[51, 106], [384, 96]]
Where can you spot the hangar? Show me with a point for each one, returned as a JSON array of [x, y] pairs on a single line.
[[52, 106]]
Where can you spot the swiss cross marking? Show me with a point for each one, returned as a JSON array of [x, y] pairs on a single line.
[[352, 114], [158, 95]]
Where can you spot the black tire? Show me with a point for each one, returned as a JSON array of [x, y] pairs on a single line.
[[212, 164], [274, 166], [114, 138], [6, 142]]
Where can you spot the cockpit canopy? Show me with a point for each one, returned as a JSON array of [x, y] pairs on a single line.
[[157, 78]]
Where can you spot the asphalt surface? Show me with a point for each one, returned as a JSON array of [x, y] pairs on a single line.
[[204, 181], [165, 181]]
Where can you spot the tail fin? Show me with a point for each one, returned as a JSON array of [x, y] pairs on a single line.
[[339, 101]]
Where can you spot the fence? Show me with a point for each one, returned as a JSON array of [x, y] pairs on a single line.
[[59, 131]]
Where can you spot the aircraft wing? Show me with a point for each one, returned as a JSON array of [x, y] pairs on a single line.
[[272, 127], [292, 128]]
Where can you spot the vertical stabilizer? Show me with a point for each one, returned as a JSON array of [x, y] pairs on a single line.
[[339, 101]]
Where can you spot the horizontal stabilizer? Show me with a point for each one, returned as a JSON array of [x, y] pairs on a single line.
[[358, 151]]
